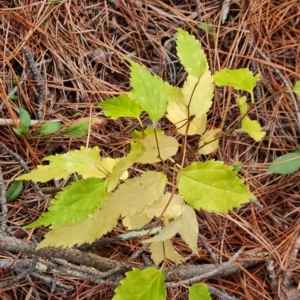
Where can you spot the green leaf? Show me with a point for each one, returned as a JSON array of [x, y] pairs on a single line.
[[252, 127], [120, 107], [74, 203], [14, 191], [14, 97], [191, 54], [50, 127], [25, 118], [21, 131], [213, 186], [286, 164], [237, 166], [79, 129], [297, 88], [207, 27], [147, 284], [148, 91], [131, 198], [240, 79], [123, 164], [199, 291]]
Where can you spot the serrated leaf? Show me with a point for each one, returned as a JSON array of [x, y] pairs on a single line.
[[14, 191], [189, 229], [209, 141], [86, 162], [213, 186], [45, 173], [168, 146], [123, 164], [86, 231], [285, 164], [240, 79], [50, 127], [120, 107], [198, 93], [169, 231], [173, 211], [173, 93], [196, 101], [191, 54], [133, 196], [199, 291], [24, 118], [136, 221], [185, 224], [147, 284], [74, 203], [297, 88], [148, 91], [79, 129], [129, 199], [252, 127], [178, 115], [161, 250]]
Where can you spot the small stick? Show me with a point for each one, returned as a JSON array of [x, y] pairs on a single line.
[[3, 203], [41, 87]]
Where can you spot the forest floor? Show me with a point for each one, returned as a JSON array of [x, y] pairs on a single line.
[[79, 49]]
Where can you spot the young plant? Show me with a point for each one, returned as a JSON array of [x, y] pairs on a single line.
[[92, 206], [287, 163], [51, 128]]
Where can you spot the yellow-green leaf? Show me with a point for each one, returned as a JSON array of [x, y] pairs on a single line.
[[240, 79], [190, 53], [209, 141], [86, 231], [129, 199], [250, 126], [45, 173], [162, 250], [149, 91], [74, 203], [168, 146], [196, 101], [147, 284], [177, 113], [123, 164], [169, 231], [120, 107], [198, 93], [297, 88], [189, 229], [136, 221], [212, 186], [173, 211], [199, 291]]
